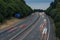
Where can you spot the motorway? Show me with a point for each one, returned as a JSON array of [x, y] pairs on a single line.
[[30, 28]]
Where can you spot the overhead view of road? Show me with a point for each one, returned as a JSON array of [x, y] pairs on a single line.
[[36, 26]]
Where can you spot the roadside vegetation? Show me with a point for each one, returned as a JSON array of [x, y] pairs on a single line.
[[54, 12], [9, 8], [10, 22], [38, 10]]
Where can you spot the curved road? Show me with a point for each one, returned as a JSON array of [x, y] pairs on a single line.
[[30, 28]]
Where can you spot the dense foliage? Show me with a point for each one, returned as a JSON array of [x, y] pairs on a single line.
[[39, 10], [8, 8], [54, 12]]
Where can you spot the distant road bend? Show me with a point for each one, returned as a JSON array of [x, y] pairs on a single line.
[[37, 26]]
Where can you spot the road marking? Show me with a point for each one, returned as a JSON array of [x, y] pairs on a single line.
[[49, 29]]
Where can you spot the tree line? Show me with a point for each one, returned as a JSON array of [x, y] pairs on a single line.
[[8, 8], [54, 12]]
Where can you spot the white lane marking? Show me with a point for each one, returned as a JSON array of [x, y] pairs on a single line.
[[49, 30], [29, 30]]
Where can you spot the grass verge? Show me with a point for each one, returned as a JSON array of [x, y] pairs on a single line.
[[9, 22]]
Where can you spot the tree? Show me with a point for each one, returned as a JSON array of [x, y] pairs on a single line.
[[54, 12], [8, 8], [1, 18]]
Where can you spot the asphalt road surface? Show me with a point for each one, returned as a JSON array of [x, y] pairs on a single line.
[[30, 28]]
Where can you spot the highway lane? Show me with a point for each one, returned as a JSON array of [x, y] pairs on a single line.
[[14, 32], [50, 26], [52, 35], [31, 33], [34, 32], [16, 24], [26, 32], [23, 31]]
